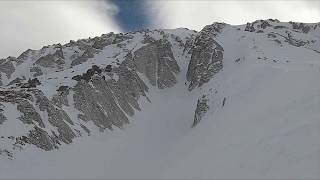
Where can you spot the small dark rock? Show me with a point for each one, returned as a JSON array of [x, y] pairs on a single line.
[[97, 69], [108, 68], [224, 101], [77, 77], [264, 24], [32, 83], [249, 27], [279, 27], [63, 88]]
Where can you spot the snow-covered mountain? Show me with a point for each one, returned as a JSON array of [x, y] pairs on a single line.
[[225, 102]]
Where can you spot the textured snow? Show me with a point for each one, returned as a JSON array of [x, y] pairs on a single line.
[[268, 127]]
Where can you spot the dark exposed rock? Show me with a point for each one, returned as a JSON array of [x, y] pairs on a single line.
[[300, 26], [129, 86], [2, 117], [121, 37], [294, 42], [274, 20], [201, 109], [206, 59], [16, 81], [224, 101], [62, 97], [289, 38], [13, 96], [147, 39], [85, 129], [100, 43], [24, 55], [7, 153], [98, 106], [46, 61], [63, 88], [96, 69], [22, 140], [108, 68], [249, 27], [106, 102], [77, 77], [32, 83], [157, 63], [271, 35], [51, 60], [7, 67], [88, 53], [260, 31], [264, 24], [306, 29], [56, 117], [88, 75], [41, 139], [29, 113], [257, 25], [279, 27], [277, 41]]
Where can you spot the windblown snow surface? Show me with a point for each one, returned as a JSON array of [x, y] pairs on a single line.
[[262, 122]]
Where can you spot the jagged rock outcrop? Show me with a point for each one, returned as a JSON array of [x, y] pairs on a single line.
[[206, 57], [289, 33], [201, 109], [157, 63], [107, 95], [259, 25]]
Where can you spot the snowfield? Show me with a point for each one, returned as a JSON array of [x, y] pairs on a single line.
[[262, 122]]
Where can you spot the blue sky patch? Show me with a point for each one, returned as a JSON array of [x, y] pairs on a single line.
[[132, 14]]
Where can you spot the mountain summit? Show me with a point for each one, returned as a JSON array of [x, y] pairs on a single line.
[[225, 102]]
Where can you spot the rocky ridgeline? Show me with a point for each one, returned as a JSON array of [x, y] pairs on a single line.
[[107, 95], [260, 25], [105, 77], [57, 57], [289, 33]]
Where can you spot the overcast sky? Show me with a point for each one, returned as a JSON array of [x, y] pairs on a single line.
[[33, 24]]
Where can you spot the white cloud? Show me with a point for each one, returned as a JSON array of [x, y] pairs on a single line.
[[197, 14], [33, 24]]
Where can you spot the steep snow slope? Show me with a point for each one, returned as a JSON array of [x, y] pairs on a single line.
[[268, 126], [226, 102]]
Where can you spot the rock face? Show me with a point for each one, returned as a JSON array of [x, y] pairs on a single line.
[[201, 109], [62, 92], [157, 63], [108, 102], [106, 94], [206, 57]]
